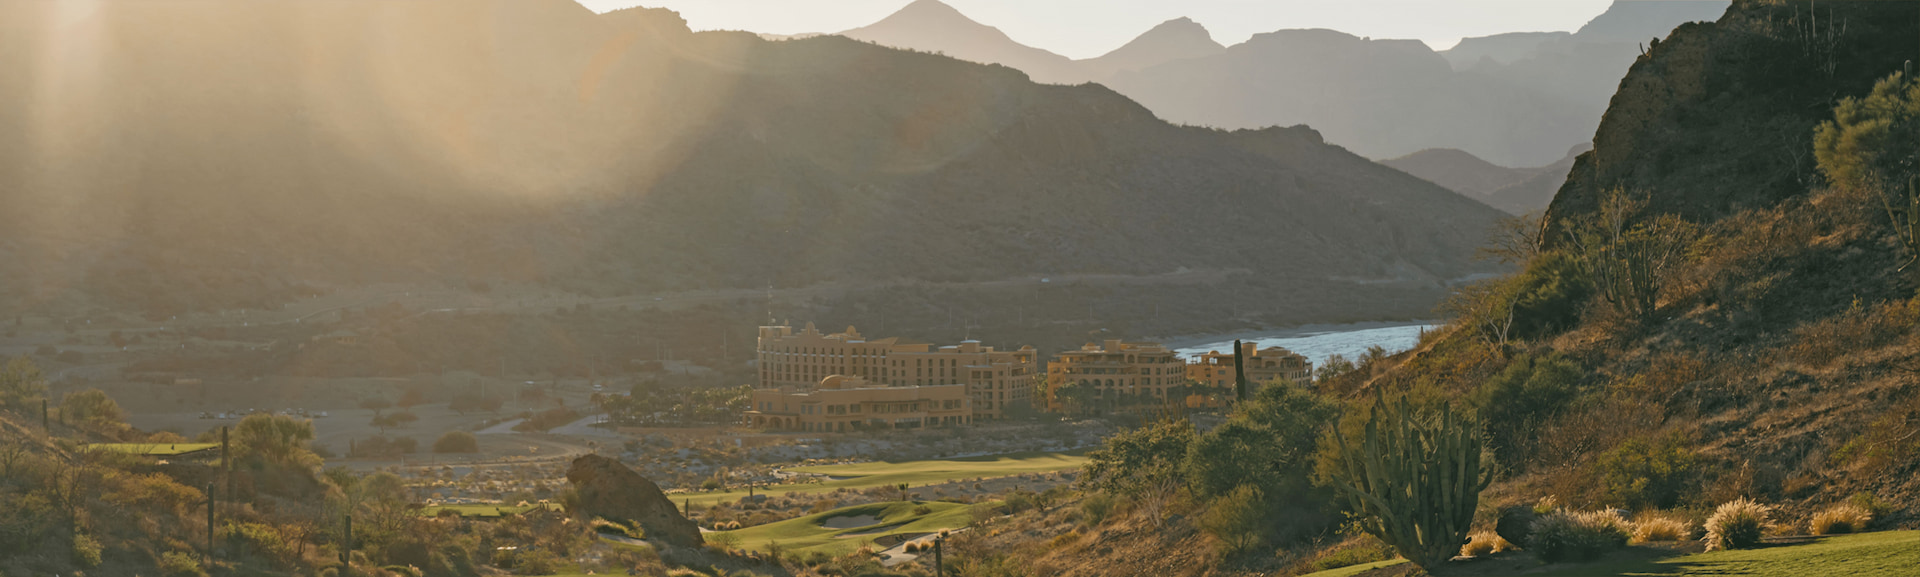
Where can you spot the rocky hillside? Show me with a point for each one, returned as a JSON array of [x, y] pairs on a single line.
[[269, 148], [1771, 355]]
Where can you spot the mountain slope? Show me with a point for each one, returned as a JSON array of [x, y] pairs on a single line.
[[1775, 363], [528, 141], [1177, 39], [933, 26], [1517, 191]]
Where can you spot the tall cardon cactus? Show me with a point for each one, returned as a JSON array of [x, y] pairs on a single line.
[[1415, 479]]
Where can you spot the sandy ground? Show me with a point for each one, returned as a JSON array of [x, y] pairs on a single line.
[[849, 521]]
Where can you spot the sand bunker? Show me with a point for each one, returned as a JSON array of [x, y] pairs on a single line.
[[848, 521]]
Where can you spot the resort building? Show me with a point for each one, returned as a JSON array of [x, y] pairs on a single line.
[[994, 380], [842, 403], [1263, 366], [1115, 369]]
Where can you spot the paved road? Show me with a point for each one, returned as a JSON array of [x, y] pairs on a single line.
[[505, 428]]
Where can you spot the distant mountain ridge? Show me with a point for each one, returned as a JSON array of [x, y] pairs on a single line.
[[1516, 99], [533, 142], [1517, 191]]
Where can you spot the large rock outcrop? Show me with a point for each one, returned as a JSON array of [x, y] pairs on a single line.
[[611, 490]]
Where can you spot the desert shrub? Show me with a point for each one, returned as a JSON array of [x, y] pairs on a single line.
[[1484, 543], [1063, 539], [1654, 529], [1643, 472], [1514, 402], [822, 506], [1096, 507], [1840, 519], [263, 541], [1738, 524], [1577, 535], [86, 551], [1861, 328], [922, 510], [456, 442], [1872, 505], [1237, 519], [180, 564], [1872, 144]]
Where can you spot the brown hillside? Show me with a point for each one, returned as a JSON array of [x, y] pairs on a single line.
[[1778, 359]]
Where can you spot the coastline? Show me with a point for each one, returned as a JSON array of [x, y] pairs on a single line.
[[1190, 341]]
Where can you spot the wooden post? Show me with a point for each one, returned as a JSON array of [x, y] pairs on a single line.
[[939, 564], [43, 417]]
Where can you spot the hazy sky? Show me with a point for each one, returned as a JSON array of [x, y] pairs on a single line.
[[1088, 28]]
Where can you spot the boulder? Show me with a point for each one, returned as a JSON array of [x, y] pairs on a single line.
[[608, 489], [1516, 522]]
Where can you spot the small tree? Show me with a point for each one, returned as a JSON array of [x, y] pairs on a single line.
[[1237, 519], [1414, 478], [20, 380], [456, 442]]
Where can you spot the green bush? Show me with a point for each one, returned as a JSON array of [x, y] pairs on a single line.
[[1641, 473], [1096, 507], [180, 564], [86, 551], [456, 442], [1236, 519], [1528, 392]]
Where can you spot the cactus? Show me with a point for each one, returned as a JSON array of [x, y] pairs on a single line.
[[1239, 372], [1416, 478]]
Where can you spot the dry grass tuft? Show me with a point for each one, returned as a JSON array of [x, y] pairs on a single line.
[[1577, 535], [1485, 543], [1662, 529], [1840, 519], [1738, 524]]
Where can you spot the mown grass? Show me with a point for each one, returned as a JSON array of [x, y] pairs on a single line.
[[916, 473], [487, 511], [1883, 554], [802, 534], [155, 449]]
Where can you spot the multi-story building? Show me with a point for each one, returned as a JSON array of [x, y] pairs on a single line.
[[1263, 366], [843, 403], [995, 380], [1116, 368]]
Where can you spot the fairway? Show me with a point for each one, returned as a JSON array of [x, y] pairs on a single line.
[[156, 449], [916, 473], [805, 534], [1883, 554], [495, 510]]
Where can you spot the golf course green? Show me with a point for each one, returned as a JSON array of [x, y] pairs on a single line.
[[915, 473]]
